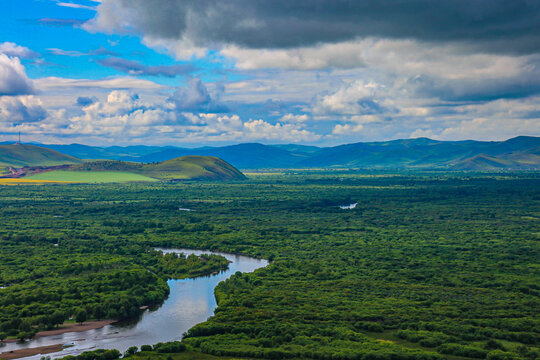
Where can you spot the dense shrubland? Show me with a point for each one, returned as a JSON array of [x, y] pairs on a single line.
[[427, 266]]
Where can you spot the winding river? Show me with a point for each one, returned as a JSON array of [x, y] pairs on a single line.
[[191, 301]]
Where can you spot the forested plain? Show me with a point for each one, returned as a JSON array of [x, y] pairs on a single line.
[[426, 266]]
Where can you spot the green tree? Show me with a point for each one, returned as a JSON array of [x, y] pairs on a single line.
[[81, 316], [58, 318], [132, 350]]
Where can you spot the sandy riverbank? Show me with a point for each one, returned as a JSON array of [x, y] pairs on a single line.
[[71, 327], [15, 354]]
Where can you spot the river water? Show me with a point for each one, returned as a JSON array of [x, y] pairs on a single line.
[[348, 207], [191, 301]]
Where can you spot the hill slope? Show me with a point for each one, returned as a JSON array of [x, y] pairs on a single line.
[[30, 155], [193, 167], [182, 168], [483, 162]]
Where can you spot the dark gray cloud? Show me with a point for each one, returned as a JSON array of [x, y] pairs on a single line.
[[196, 98], [136, 68], [522, 86], [497, 25]]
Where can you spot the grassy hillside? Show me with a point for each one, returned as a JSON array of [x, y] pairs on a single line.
[[182, 168], [483, 162], [193, 167], [30, 155]]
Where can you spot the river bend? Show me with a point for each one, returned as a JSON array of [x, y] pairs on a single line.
[[191, 301]]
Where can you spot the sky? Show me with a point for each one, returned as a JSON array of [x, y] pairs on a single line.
[[320, 72]]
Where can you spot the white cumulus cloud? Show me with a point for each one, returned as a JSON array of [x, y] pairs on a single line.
[[21, 109], [12, 49], [13, 79], [292, 118]]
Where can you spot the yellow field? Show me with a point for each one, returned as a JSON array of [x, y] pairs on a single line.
[[10, 181]]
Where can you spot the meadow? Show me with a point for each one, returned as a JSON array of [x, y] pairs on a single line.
[[426, 266], [90, 176], [25, 181]]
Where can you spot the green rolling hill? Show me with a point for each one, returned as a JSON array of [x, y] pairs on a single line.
[[193, 167], [30, 155], [182, 168], [34, 162]]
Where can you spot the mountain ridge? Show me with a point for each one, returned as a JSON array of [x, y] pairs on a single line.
[[521, 152]]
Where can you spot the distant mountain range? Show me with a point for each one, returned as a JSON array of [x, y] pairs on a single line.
[[521, 152]]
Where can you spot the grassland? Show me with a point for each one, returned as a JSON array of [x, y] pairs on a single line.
[[9, 181], [89, 176]]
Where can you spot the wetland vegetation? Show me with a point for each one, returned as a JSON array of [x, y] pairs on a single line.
[[425, 266]]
